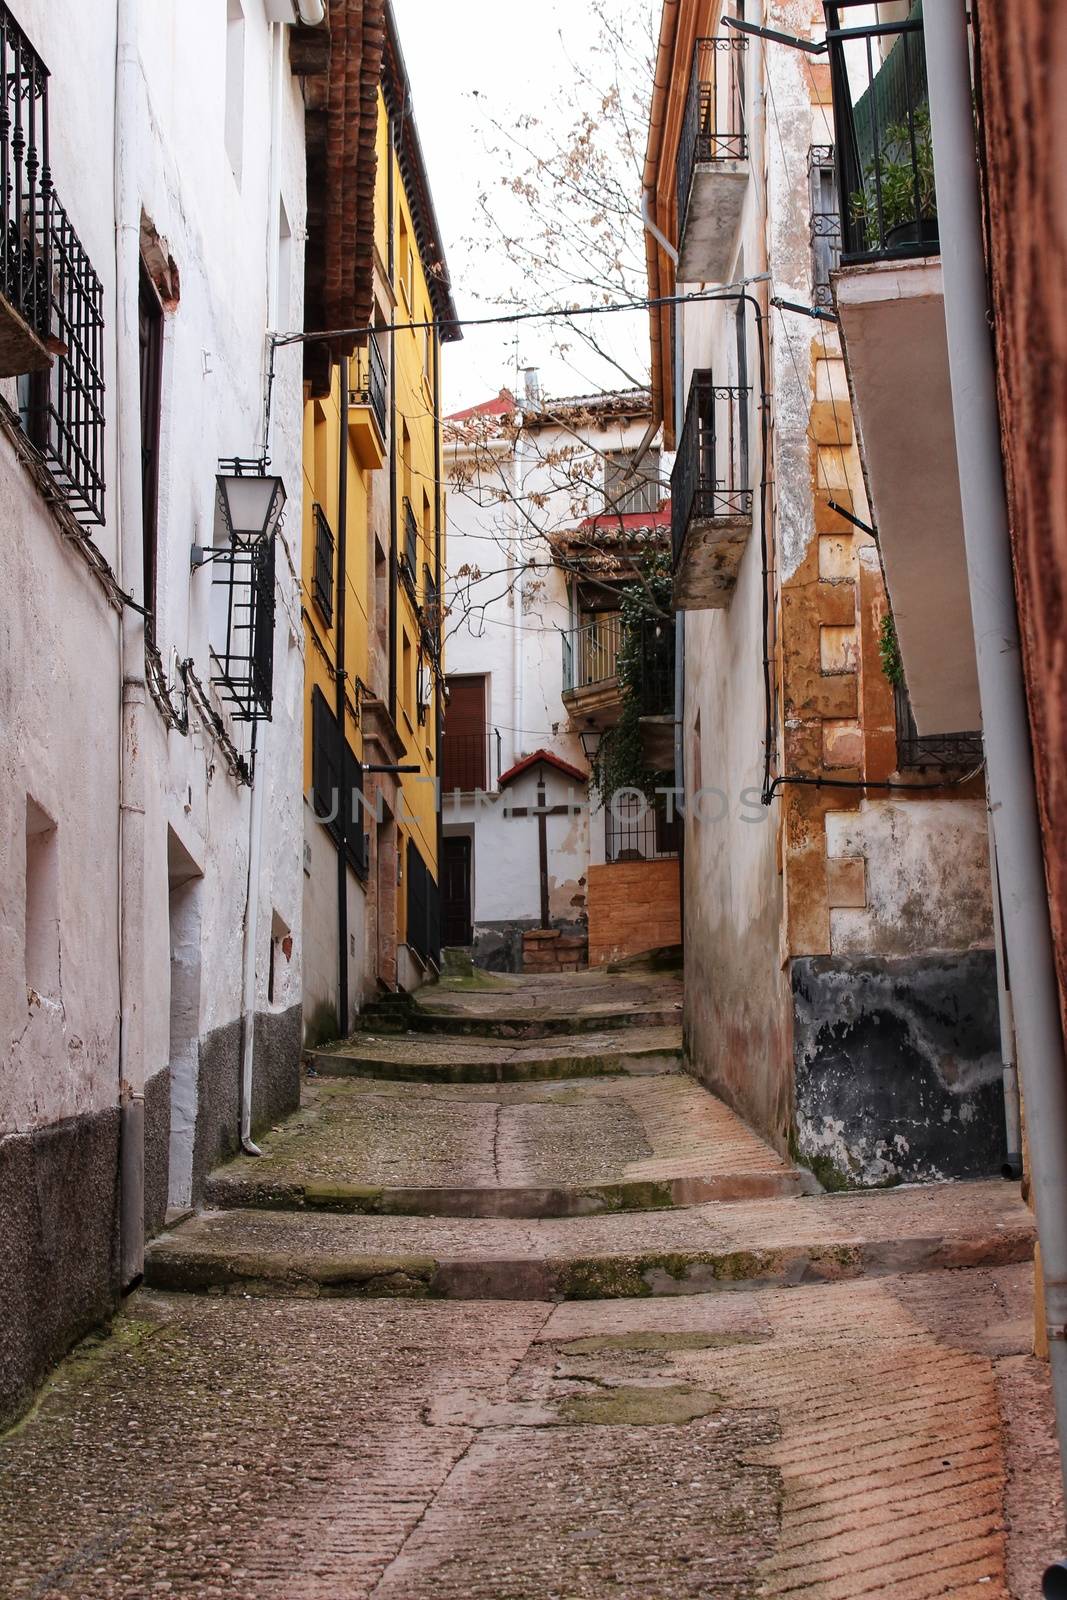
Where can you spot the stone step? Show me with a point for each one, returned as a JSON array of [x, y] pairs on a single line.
[[517, 1202], [419, 1058], [576, 1148], [501, 1024], [698, 1250]]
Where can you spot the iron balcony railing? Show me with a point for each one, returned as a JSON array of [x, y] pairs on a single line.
[[411, 541], [713, 128], [591, 652], [25, 178], [591, 655], [931, 751], [372, 384], [636, 829], [883, 147], [825, 230], [322, 576], [656, 669], [470, 761], [711, 469]]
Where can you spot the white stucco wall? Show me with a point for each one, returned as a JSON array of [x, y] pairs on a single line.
[[59, 662]]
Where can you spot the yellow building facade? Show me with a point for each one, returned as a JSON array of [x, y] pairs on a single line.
[[373, 561]]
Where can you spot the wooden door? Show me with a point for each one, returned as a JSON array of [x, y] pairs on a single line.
[[456, 891]]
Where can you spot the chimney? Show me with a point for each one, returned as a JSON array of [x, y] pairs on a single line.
[[532, 380]]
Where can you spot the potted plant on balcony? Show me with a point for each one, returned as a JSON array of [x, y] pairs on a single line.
[[903, 175]]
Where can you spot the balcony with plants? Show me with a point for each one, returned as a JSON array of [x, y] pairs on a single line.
[[888, 294]]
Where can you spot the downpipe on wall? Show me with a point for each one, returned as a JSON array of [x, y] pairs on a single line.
[[1013, 1139], [1012, 788], [130, 564], [257, 763]]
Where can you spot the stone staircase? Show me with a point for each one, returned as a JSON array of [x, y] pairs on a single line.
[[537, 1138]]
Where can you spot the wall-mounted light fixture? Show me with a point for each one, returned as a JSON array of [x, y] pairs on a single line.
[[250, 500], [590, 737]]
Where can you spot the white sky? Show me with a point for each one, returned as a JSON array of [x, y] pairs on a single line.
[[513, 56]]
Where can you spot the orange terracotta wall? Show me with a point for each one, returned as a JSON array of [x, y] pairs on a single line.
[[633, 906]]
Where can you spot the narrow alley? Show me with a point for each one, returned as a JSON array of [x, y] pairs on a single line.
[[512, 1308]]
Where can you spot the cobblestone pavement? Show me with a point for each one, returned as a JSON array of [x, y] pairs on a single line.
[[886, 1438], [377, 1387]]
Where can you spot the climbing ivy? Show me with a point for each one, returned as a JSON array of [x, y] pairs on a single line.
[[645, 673], [889, 650]]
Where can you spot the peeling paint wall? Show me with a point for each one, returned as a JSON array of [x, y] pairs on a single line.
[[834, 877]]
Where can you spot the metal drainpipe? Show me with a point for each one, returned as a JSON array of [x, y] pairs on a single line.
[[131, 655], [439, 701], [344, 799], [393, 563], [1013, 798], [1013, 1159], [257, 762], [678, 403]]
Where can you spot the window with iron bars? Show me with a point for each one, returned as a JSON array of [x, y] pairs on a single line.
[[46, 277], [322, 575], [630, 488], [337, 785], [242, 650], [825, 221]]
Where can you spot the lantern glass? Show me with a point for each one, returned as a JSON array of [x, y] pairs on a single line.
[[251, 504]]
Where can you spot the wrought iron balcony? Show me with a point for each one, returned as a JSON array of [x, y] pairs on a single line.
[[883, 147], [322, 576], [368, 403], [591, 653], [25, 209], [712, 165], [711, 495]]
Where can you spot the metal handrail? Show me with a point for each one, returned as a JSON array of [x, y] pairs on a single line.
[[25, 177], [711, 468], [591, 652], [713, 127]]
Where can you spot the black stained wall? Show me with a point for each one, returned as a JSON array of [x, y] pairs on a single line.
[[898, 1069]]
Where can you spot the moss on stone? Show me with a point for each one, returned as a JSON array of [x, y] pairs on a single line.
[[638, 1405], [651, 1342]]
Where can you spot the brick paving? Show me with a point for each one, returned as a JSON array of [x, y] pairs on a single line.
[[549, 1406]]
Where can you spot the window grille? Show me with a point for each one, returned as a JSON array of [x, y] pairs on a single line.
[[322, 576], [337, 784], [243, 661], [628, 488]]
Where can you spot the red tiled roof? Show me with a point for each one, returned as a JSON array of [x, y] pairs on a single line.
[[499, 406], [624, 521], [538, 756]]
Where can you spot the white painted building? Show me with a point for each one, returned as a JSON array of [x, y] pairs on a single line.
[[535, 495], [138, 951]]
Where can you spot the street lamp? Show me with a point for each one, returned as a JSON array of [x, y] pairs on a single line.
[[590, 738], [250, 501], [250, 498]]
